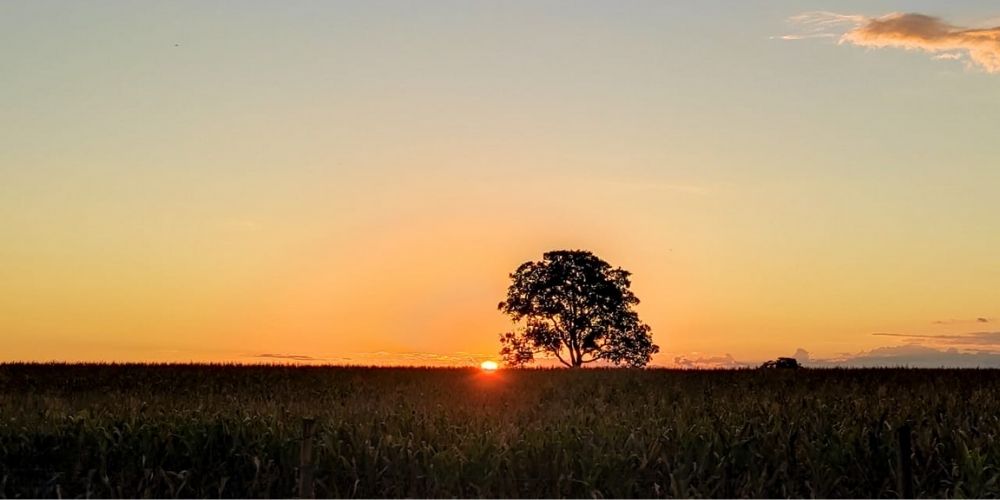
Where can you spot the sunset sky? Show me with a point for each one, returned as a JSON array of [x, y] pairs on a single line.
[[352, 182]]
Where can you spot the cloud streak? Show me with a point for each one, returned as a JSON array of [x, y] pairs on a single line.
[[287, 357], [382, 358], [968, 350], [950, 350], [709, 362], [980, 47], [980, 319], [913, 356], [951, 339]]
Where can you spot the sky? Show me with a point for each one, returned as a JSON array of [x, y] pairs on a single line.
[[352, 182]]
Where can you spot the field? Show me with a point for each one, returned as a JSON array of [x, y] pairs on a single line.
[[235, 431]]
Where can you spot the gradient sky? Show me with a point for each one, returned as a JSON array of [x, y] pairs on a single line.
[[352, 182]]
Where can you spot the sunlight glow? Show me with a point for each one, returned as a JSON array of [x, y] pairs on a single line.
[[489, 366]]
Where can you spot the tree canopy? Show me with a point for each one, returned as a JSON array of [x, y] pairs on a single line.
[[574, 306]]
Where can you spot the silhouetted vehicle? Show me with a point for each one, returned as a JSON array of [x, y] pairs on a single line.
[[782, 363]]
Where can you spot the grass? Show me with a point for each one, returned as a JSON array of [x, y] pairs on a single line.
[[233, 431]]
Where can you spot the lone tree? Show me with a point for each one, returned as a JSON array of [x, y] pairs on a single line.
[[575, 306]]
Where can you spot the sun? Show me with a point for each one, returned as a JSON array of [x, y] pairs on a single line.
[[489, 366]]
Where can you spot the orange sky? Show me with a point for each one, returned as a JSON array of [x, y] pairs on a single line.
[[352, 183]]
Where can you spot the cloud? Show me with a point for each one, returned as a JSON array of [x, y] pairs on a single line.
[[289, 357], [709, 362], [805, 37], [909, 31], [981, 319], [914, 356], [953, 350], [801, 355], [384, 358], [951, 339], [821, 21]]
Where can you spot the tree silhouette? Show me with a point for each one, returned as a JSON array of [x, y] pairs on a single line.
[[575, 306]]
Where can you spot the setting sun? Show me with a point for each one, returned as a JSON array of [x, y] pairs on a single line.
[[489, 366]]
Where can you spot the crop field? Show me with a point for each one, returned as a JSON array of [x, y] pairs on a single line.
[[236, 431]]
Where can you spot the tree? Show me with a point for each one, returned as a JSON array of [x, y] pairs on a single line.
[[575, 306]]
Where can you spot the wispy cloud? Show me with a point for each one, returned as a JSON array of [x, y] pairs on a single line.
[[914, 356], [956, 350], [708, 362], [951, 339], [385, 358], [910, 31], [947, 56], [287, 357], [805, 37], [824, 21], [981, 319]]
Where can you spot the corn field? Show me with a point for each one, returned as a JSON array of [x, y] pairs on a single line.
[[236, 431]]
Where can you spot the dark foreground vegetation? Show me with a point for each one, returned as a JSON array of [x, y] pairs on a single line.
[[234, 431]]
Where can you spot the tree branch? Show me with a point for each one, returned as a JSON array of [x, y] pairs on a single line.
[[561, 360], [566, 338]]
